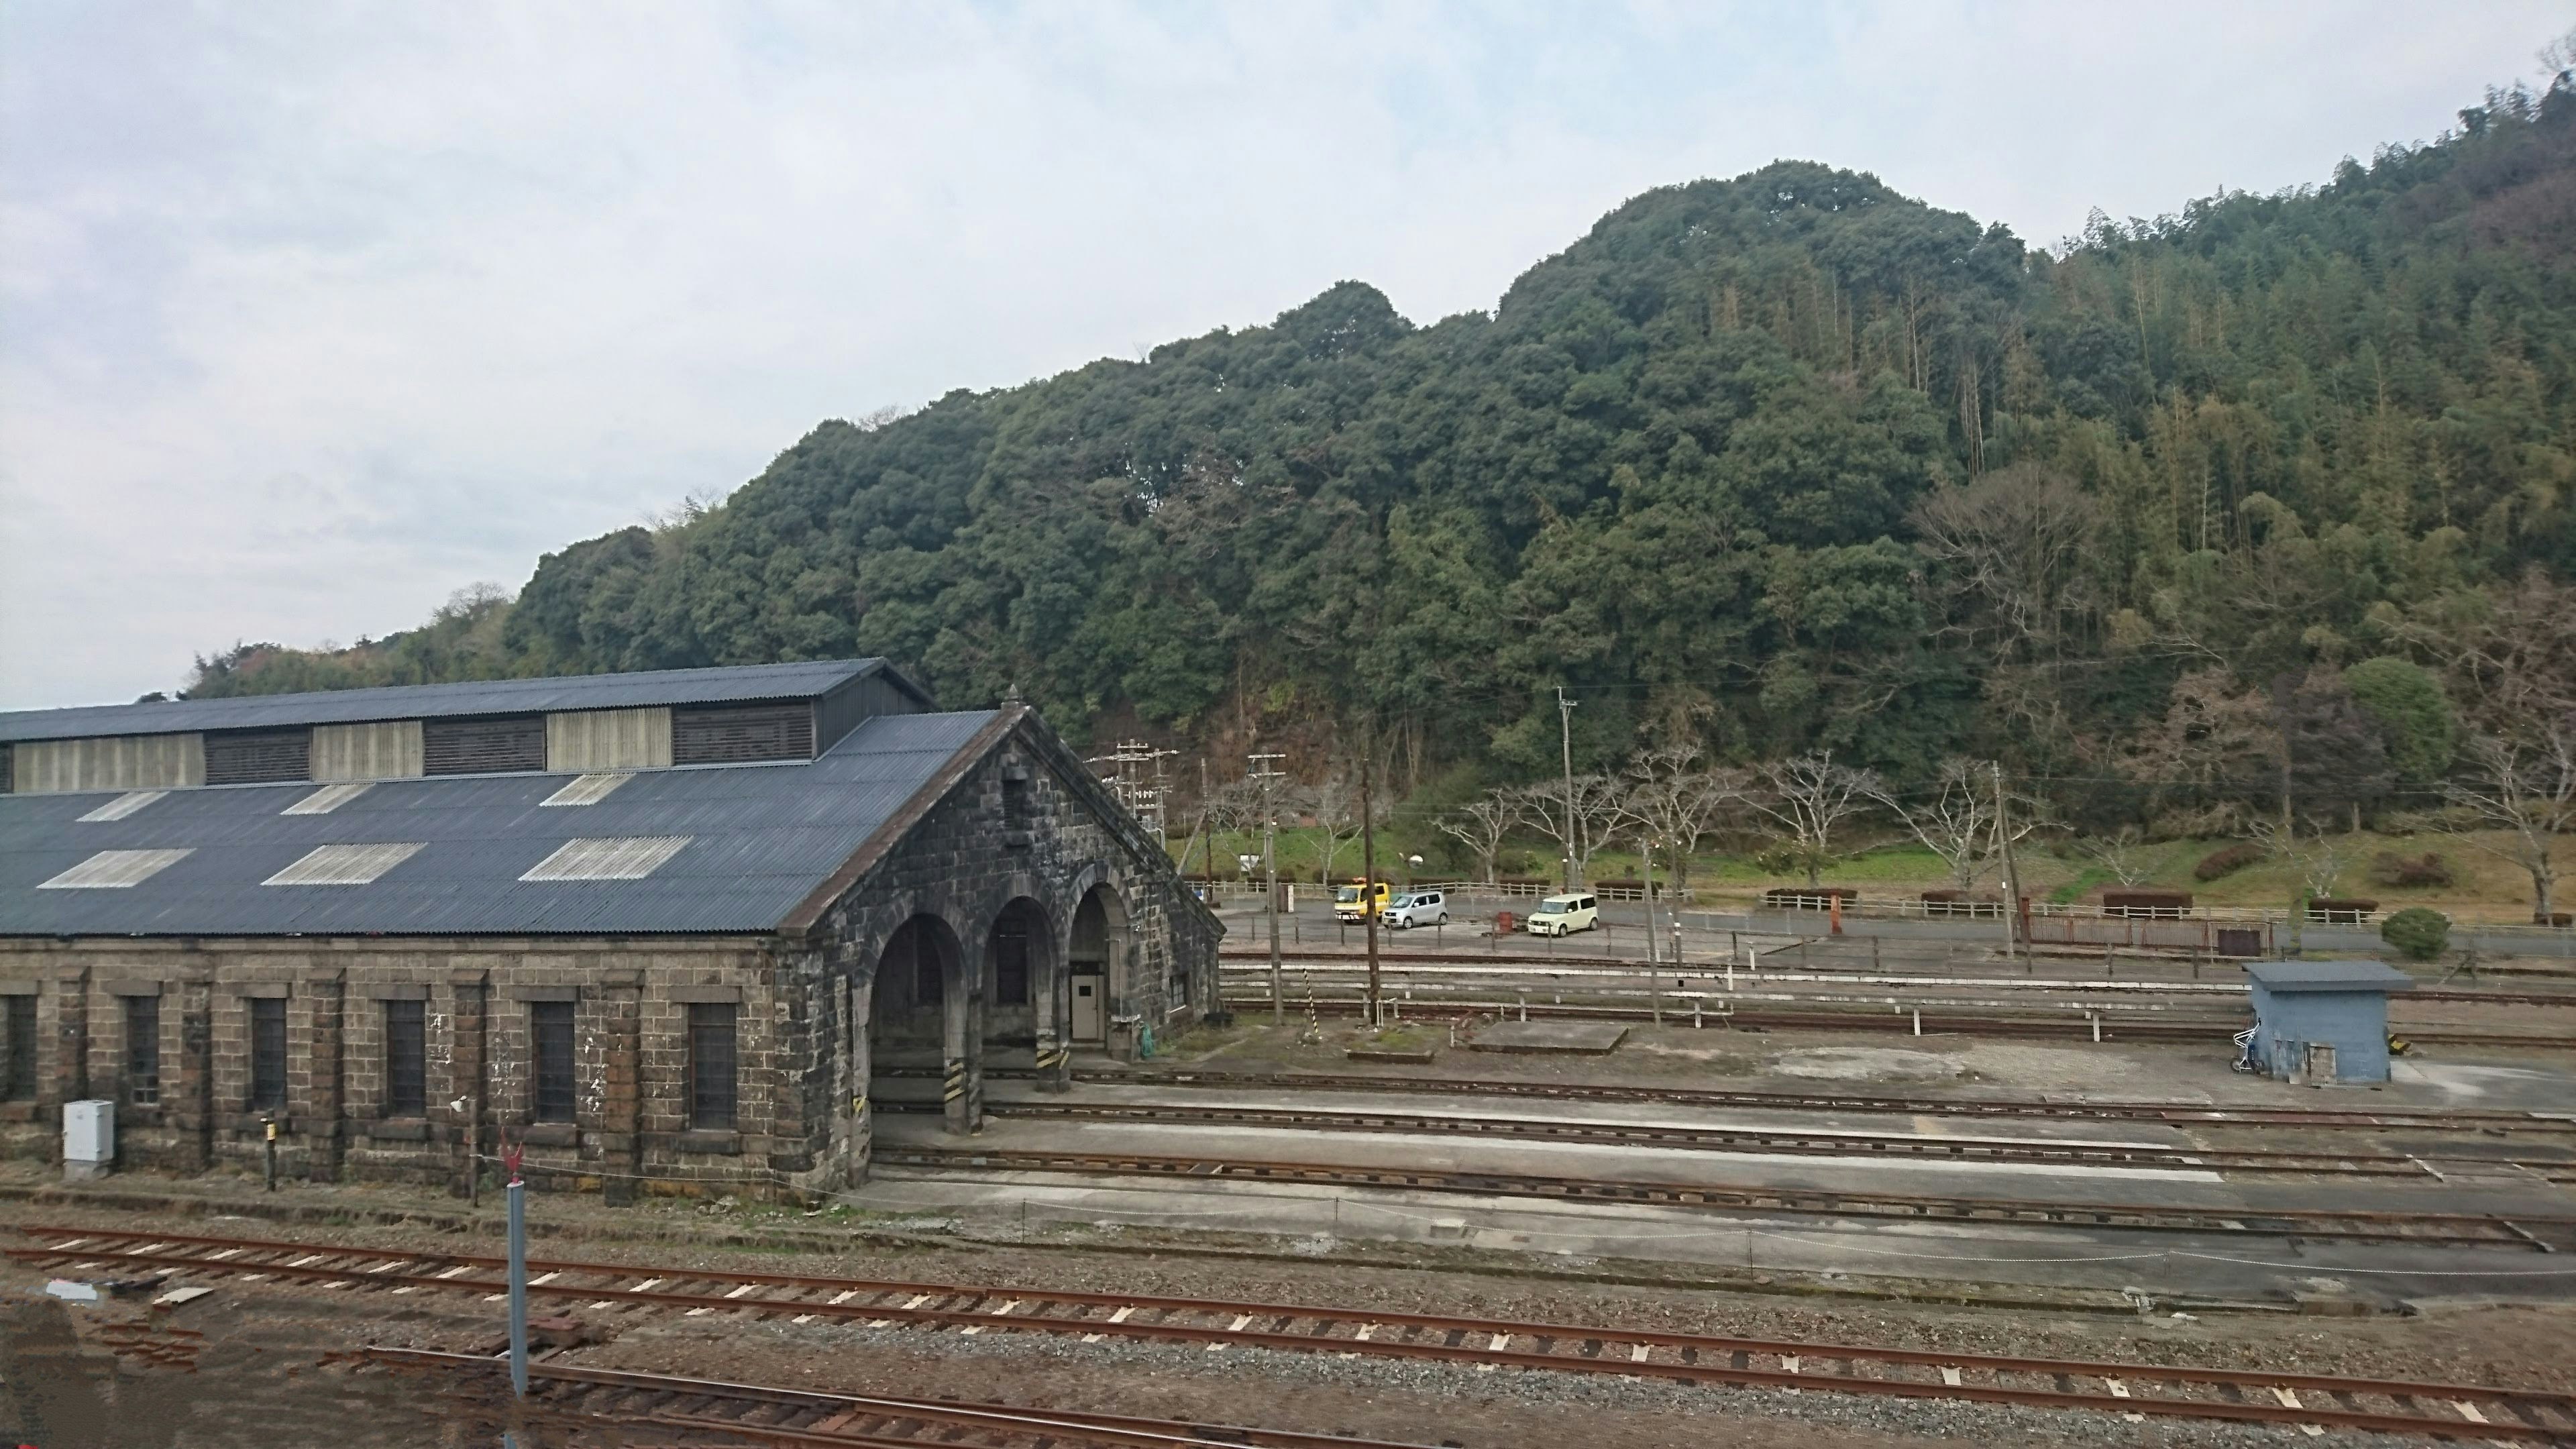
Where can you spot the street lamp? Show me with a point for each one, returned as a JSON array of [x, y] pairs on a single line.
[[1413, 863]]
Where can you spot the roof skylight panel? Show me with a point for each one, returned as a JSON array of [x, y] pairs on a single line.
[[115, 870], [345, 865], [329, 798], [588, 789], [630, 857], [123, 805]]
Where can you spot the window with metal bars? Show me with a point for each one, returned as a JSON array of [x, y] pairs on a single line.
[[17, 1048], [268, 1054], [406, 1058], [143, 1051], [1011, 961], [550, 1058], [711, 1059]]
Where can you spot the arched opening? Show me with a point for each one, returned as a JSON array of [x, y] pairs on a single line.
[[1019, 975], [919, 969], [1095, 961]]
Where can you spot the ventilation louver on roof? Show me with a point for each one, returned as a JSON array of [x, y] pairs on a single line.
[[345, 864], [123, 805], [740, 734], [251, 757], [115, 870], [588, 789], [483, 746], [618, 858], [329, 798]]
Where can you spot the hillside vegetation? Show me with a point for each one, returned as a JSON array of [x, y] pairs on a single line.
[[1773, 465]]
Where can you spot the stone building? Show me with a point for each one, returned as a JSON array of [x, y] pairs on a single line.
[[663, 928]]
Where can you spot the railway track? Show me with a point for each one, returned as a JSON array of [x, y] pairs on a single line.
[[1255, 963], [1802, 1141], [2535, 1232], [675, 1410], [2067, 1023], [613, 1291], [2172, 1113]]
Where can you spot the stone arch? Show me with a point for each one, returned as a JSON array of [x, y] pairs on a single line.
[[924, 1018], [1100, 947]]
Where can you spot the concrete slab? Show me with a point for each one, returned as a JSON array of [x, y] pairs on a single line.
[[1538, 1038]]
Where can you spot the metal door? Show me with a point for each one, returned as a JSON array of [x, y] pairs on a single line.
[[1087, 1023], [2321, 1062]]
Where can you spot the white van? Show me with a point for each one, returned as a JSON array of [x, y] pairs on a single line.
[[1416, 908], [1558, 915]]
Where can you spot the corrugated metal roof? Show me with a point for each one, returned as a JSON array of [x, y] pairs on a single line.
[[432, 701], [2328, 976], [763, 837]]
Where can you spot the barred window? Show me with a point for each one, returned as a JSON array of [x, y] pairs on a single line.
[[1011, 961], [143, 1051], [711, 1059], [406, 1058], [268, 1053], [550, 1038], [18, 1048]]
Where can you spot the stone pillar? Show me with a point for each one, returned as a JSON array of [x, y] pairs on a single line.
[[469, 1000], [62, 1052], [188, 1083], [860, 1130], [316, 1079], [613, 1146], [961, 1085], [1053, 998]]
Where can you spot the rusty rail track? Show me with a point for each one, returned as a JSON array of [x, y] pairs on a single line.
[[1895, 973], [2066, 1023], [643, 1403], [1815, 1142], [2502, 1414], [2535, 1233], [2173, 1113]]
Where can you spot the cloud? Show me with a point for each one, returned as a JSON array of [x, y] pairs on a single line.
[[309, 316]]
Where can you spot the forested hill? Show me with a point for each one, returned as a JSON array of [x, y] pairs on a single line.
[[1772, 463]]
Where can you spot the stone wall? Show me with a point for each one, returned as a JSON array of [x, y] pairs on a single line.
[[629, 1007]]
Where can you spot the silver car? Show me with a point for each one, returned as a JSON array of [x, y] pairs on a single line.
[[1415, 908]]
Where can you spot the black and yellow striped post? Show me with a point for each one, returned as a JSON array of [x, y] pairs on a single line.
[[1055, 1065]]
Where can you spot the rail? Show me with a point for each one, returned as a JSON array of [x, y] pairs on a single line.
[[2248, 1395]]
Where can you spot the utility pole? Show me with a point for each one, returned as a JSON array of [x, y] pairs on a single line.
[[1646, 868], [1565, 741], [1368, 864], [2013, 944], [1264, 770], [1203, 830]]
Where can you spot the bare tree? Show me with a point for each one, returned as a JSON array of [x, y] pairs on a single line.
[[2318, 859], [1335, 804], [2515, 799], [1808, 799], [1958, 822], [2121, 853], [1480, 825], [1595, 814], [2014, 542], [1676, 803]]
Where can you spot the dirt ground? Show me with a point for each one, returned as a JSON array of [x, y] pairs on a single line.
[[1932, 1066]]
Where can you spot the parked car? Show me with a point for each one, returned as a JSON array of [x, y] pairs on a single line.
[[1558, 915], [1415, 908]]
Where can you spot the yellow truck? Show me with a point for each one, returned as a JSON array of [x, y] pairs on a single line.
[[1354, 903]]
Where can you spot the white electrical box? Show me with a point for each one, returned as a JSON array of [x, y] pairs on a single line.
[[89, 1132]]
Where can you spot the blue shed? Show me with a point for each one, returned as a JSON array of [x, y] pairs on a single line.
[[2323, 1021]]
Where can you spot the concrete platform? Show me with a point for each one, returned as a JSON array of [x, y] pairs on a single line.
[[1552, 1038]]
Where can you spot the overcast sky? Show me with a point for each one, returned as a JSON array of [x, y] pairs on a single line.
[[311, 314]]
